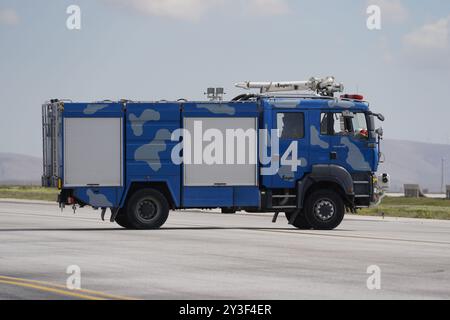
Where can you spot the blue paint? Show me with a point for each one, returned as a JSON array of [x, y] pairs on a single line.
[[98, 197], [207, 197]]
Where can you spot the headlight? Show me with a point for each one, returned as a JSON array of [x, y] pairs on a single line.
[[384, 181]]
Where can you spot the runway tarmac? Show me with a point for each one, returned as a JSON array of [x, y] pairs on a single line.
[[207, 255]]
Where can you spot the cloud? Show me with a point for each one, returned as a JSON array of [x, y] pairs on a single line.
[[8, 17], [391, 10], [178, 9], [433, 36], [195, 9], [430, 43], [268, 7]]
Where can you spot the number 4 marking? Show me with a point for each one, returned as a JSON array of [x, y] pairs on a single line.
[[290, 157]]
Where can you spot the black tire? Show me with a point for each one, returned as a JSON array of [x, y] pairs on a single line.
[[324, 210], [300, 222], [147, 209], [122, 220], [228, 211]]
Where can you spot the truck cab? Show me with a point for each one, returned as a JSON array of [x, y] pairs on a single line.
[[313, 157]]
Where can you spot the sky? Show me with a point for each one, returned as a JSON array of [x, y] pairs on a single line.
[[147, 50]]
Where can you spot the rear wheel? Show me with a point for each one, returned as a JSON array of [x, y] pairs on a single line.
[[324, 210], [147, 209], [228, 211], [300, 222]]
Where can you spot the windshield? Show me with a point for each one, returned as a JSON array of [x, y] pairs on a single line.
[[359, 122]]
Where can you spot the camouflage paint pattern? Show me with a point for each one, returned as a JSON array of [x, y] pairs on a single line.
[[98, 200], [341, 104], [137, 123], [94, 108], [150, 152], [287, 104], [218, 108], [355, 158], [315, 139]]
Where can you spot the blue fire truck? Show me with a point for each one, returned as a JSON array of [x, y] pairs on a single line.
[[316, 159]]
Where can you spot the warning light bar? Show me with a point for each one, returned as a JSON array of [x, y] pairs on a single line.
[[353, 97]]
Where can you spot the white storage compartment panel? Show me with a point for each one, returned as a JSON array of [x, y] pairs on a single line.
[[222, 174], [92, 152]]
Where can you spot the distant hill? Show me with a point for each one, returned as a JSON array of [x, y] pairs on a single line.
[[406, 162], [416, 163], [20, 169]]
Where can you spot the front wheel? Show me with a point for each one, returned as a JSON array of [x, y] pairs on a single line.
[[300, 222], [147, 209], [324, 210]]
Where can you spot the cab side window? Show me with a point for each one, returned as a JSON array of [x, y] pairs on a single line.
[[291, 126], [340, 125], [344, 124], [324, 123]]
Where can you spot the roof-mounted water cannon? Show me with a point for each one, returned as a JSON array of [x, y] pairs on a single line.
[[323, 86]]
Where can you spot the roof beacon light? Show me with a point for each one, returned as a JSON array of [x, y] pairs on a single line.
[[353, 97], [326, 86]]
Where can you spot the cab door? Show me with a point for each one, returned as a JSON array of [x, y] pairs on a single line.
[[320, 139], [293, 147], [349, 141]]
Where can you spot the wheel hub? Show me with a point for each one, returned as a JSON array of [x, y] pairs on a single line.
[[324, 210], [147, 209]]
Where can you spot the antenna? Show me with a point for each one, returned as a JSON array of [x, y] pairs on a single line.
[[323, 86]]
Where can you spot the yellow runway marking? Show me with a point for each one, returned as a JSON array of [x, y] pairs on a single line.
[[59, 289]]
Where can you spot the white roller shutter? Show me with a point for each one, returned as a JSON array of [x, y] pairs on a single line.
[[92, 152], [222, 174]]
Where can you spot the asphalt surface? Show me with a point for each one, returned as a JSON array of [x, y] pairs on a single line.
[[206, 255]]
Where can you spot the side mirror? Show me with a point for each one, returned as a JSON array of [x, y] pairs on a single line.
[[380, 117]]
